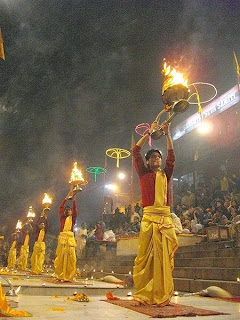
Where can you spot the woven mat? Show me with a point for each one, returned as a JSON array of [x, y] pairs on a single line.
[[171, 311]]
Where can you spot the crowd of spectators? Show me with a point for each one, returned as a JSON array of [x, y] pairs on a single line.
[[216, 203]]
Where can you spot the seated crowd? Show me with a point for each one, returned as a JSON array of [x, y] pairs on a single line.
[[214, 204]]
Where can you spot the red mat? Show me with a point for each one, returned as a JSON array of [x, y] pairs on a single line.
[[171, 311], [233, 299]]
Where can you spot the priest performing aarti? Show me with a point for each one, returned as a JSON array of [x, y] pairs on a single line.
[[27, 230], [154, 264], [12, 255], [152, 273], [38, 255], [65, 261]]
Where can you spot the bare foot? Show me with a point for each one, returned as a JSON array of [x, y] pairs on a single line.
[[136, 303], [160, 305]]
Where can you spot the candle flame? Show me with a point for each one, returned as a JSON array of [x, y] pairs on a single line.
[[172, 77], [46, 199], [76, 174], [31, 214], [19, 225]]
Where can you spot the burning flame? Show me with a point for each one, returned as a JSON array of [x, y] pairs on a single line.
[[19, 225], [46, 200], [172, 77], [31, 214], [76, 175]]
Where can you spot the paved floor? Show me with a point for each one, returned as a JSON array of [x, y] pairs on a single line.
[[40, 298], [42, 307]]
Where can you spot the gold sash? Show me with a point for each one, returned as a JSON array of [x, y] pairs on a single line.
[[68, 224], [41, 236]]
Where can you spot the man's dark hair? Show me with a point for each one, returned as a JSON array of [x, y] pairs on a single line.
[[149, 153]]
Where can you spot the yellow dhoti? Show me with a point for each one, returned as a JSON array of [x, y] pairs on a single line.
[[37, 258], [38, 255], [65, 262], [12, 256], [152, 273], [24, 251]]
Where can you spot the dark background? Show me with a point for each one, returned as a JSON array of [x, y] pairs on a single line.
[[80, 75]]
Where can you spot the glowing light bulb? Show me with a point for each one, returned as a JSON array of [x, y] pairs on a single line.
[[204, 127]]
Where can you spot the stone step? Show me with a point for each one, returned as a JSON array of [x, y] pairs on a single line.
[[125, 266], [89, 290], [121, 274], [191, 285], [98, 254], [228, 252], [110, 262], [44, 284], [203, 246], [118, 269], [229, 262], [220, 274], [108, 257]]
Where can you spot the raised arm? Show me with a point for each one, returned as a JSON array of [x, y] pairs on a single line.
[[61, 208], [166, 129], [170, 160], [74, 206]]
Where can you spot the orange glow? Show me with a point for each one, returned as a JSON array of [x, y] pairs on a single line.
[[19, 225], [172, 77], [46, 200], [76, 175]]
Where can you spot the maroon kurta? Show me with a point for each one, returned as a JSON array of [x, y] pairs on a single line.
[[62, 217], [147, 177], [46, 225]]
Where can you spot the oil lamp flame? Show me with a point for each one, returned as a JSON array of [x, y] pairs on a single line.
[[172, 77], [30, 214], [175, 93], [46, 200], [76, 175], [19, 225], [76, 180]]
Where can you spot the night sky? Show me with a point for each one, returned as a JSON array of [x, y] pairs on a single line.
[[80, 75]]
